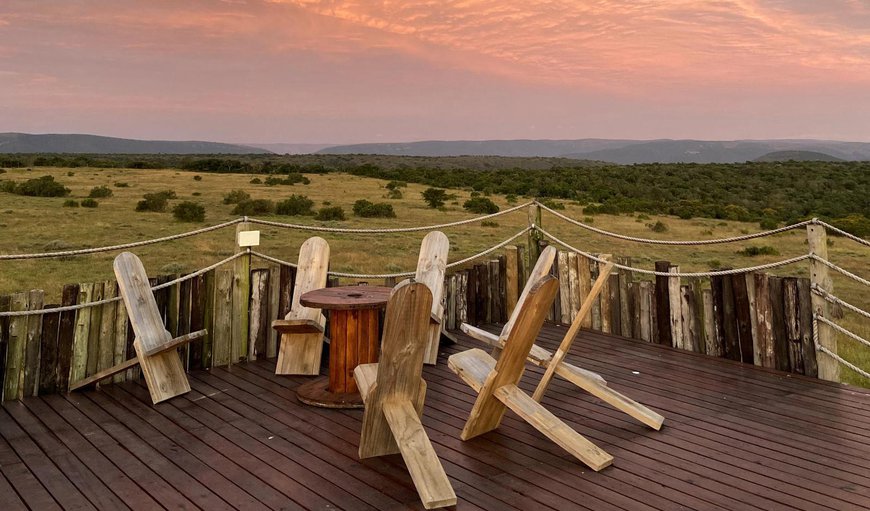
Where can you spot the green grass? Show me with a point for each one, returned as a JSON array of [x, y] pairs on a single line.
[[37, 224]]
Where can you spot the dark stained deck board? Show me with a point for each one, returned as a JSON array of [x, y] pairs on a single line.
[[735, 437]]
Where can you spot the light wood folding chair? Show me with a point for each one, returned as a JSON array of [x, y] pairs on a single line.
[[154, 345], [431, 265], [393, 391], [555, 364], [496, 380], [302, 328]]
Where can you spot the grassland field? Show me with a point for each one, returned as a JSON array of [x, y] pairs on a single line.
[[35, 224]]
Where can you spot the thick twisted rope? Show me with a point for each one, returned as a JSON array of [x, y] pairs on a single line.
[[844, 331], [158, 287], [841, 232], [830, 353], [675, 242], [386, 230], [833, 299], [65, 253], [842, 271], [712, 273], [400, 274]]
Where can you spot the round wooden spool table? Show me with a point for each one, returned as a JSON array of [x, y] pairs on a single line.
[[354, 317]]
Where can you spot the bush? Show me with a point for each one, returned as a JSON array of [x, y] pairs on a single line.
[[488, 223], [480, 205], [757, 251], [434, 197], [197, 178], [188, 211], [256, 181], [122, 185], [291, 179], [659, 226], [511, 198], [252, 207], [295, 205], [236, 196], [99, 192], [394, 194], [89, 203], [70, 203], [330, 213], [768, 224], [196, 194], [44, 186], [2, 171], [395, 185], [70, 173], [154, 202], [550, 203], [368, 209], [856, 224]]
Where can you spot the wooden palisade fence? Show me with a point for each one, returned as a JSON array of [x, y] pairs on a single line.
[[755, 318]]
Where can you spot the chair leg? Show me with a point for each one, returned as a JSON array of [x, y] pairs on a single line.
[[163, 373], [420, 458], [300, 354], [552, 427]]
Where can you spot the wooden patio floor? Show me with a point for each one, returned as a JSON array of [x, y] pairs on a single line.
[[735, 437]]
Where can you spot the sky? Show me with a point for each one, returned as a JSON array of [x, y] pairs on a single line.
[[335, 71]]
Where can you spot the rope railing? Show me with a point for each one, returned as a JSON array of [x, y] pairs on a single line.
[[843, 233], [67, 308], [387, 230], [816, 320], [399, 274], [676, 242], [839, 301], [839, 270], [711, 273]]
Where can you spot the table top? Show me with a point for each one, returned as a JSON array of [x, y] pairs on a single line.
[[347, 297]]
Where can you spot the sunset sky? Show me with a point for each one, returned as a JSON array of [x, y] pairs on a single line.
[[333, 71]]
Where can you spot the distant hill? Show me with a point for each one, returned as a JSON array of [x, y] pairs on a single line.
[[797, 156], [291, 148], [617, 151], [93, 144]]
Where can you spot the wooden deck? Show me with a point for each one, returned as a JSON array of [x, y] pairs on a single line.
[[736, 437]]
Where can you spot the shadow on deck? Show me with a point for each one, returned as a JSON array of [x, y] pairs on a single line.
[[735, 437]]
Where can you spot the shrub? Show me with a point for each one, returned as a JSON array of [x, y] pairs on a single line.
[[488, 223], [99, 192], [511, 198], [252, 207], [2, 171], [480, 205], [89, 203], [236, 196], [291, 179], [394, 194], [368, 209], [70, 173], [757, 251], [550, 203], [434, 197], [44, 186], [475, 194], [197, 178], [295, 205], [659, 226], [856, 224], [188, 211], [395, 185], [589, 219], [122, 185], [768, 224], [330, 213], [155, 202], [256, 181], [70, 203]]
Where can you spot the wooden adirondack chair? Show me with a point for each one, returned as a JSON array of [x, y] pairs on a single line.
[[393, 391], [555, 363], [496, 380], [430, 271], [155, 347], [302, 328]]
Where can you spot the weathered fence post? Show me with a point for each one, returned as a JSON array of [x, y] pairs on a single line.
[[512, 284], [535, 236], [241, 298], [663, 303], [817, 238]]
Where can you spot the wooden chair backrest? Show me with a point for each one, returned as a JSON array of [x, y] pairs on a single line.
[[139, 300], [529, 318], [311, 274], [541, 269], [405, 326], [431, 265]]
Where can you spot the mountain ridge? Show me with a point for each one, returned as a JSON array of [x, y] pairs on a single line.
[[74, 143]]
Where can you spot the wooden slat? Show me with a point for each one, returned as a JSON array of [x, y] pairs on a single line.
[[223, 307], [16, 346], [274, 305], [259, 307], [35, 300], [764, 320], [66, 336], [604, 299], [615, 313], [753, 317], [119, 351], [208, 319], [805, 313], [713, 345], [663, 304], [512, 278], [48, 352], [688, 319], [777, 323], [791, 316], [700, 313], [625, 303], [584, 275], [198, 292], [743, 316], [674, 306], [96, 322], [241, 299], [106, 341], [5, 304], [564, 288]]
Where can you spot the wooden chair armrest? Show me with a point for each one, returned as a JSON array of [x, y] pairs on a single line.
[[433, 319], [297, 326], [480, 335]]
